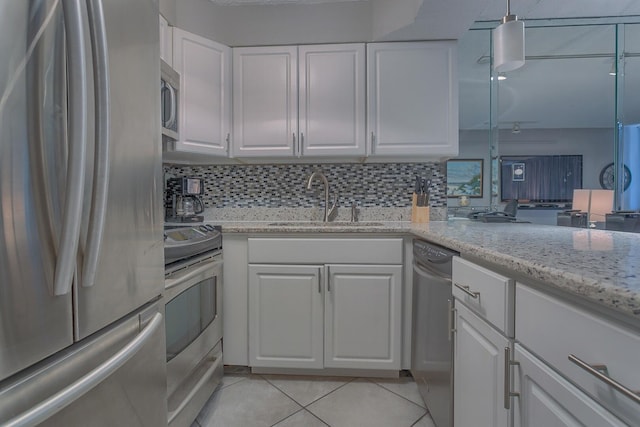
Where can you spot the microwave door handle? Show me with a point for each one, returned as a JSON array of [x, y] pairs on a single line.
[[77, 61], [172, 106], [102, 141]]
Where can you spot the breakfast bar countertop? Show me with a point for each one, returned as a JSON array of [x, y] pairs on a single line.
[[599, 266]]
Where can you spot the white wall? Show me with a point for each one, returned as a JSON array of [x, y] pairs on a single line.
[[595, 145], [168, 10]]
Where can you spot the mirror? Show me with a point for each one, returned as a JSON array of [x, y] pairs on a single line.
[[561, 102]]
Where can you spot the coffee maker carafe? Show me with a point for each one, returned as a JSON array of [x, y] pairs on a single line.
[[186, 203]]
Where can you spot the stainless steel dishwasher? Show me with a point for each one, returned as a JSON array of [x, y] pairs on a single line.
[[431, 358]]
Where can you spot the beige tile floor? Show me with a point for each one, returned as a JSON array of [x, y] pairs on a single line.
[[245, 400]]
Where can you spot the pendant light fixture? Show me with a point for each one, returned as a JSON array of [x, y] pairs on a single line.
[[508, 43]]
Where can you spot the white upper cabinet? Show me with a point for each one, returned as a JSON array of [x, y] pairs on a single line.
[[332, 100], [265, 101], [166, 41], [412, 99], [205, 94], [299, 101]]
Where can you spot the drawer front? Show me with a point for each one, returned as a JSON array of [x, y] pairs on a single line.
[[547, 399], [555, 330], [489, 294], [325, 250]]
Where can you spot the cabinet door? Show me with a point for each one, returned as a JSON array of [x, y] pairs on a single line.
[[166, 41], [413, 98], [265, 101], [285, 316], [332, 99], [547, 399], [205, 86], [363, 306], [479, 361]]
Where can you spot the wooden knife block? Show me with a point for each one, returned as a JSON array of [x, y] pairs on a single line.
[[419, 214]]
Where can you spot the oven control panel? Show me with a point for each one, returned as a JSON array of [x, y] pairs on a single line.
[[182, 242]]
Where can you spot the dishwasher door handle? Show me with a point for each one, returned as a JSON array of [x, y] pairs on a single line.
[[429, 273]]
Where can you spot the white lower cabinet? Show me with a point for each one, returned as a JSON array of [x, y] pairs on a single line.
[[579, 355], [479, 372], [325, 316], [363, 306], [286, 316], [484, 325], [516, 351], [548, 399]]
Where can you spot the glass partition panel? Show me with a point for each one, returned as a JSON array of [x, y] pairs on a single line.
[[562, 101], [474, 54], [629, 118]]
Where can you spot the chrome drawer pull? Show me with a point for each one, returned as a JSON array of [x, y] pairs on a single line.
[[466, 290], [597, 372], [508, 363]]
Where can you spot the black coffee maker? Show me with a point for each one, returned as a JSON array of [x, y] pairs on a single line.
[[185, 202]]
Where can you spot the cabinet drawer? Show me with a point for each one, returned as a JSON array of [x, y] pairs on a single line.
[[325, 250], [555, 330], [489, 294], [547, 399]]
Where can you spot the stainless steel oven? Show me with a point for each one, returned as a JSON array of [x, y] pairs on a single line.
[[193, 319]]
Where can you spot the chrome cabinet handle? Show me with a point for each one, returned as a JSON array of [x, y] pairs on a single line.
[[508, 363], [466, 290], [450, 314], [77, 69], [102, 141], [373, 145], [228, 141], [319, 280], [295, 146], [68, 395], [595, 370]]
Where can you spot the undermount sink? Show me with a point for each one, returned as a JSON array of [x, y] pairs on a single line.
[[325, 224]]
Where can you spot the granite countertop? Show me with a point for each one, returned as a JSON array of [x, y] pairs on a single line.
[[597, 265]]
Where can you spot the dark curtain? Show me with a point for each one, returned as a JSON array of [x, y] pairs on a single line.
[[547, 179]]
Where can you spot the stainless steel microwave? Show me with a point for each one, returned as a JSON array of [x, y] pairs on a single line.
[[170, 102]]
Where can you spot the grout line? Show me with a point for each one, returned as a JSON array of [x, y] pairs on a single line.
[[297, 412], [393, 392]]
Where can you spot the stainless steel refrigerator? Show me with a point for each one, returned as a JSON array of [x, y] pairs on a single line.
[[81, 247]]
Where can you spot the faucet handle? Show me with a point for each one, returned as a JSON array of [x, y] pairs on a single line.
[[334, 206]]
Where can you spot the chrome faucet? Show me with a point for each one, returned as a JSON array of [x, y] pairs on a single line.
[[327, 212]]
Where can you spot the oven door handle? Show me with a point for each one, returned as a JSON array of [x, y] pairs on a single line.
[[189, 273]]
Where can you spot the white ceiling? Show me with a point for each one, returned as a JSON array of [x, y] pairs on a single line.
[[545, 93], [542, 9], [273, 2], [495, 9]]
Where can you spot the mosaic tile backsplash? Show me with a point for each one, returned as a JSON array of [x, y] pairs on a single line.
[[279, 186]]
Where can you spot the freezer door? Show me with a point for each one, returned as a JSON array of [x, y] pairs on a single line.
[[115, 378], [34, 323], [130, 260]]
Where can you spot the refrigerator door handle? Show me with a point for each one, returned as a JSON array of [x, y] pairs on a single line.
[[69, 240], [68, 395], [102, 141]]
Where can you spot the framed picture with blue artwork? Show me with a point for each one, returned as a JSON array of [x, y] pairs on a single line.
[[464, 177]]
